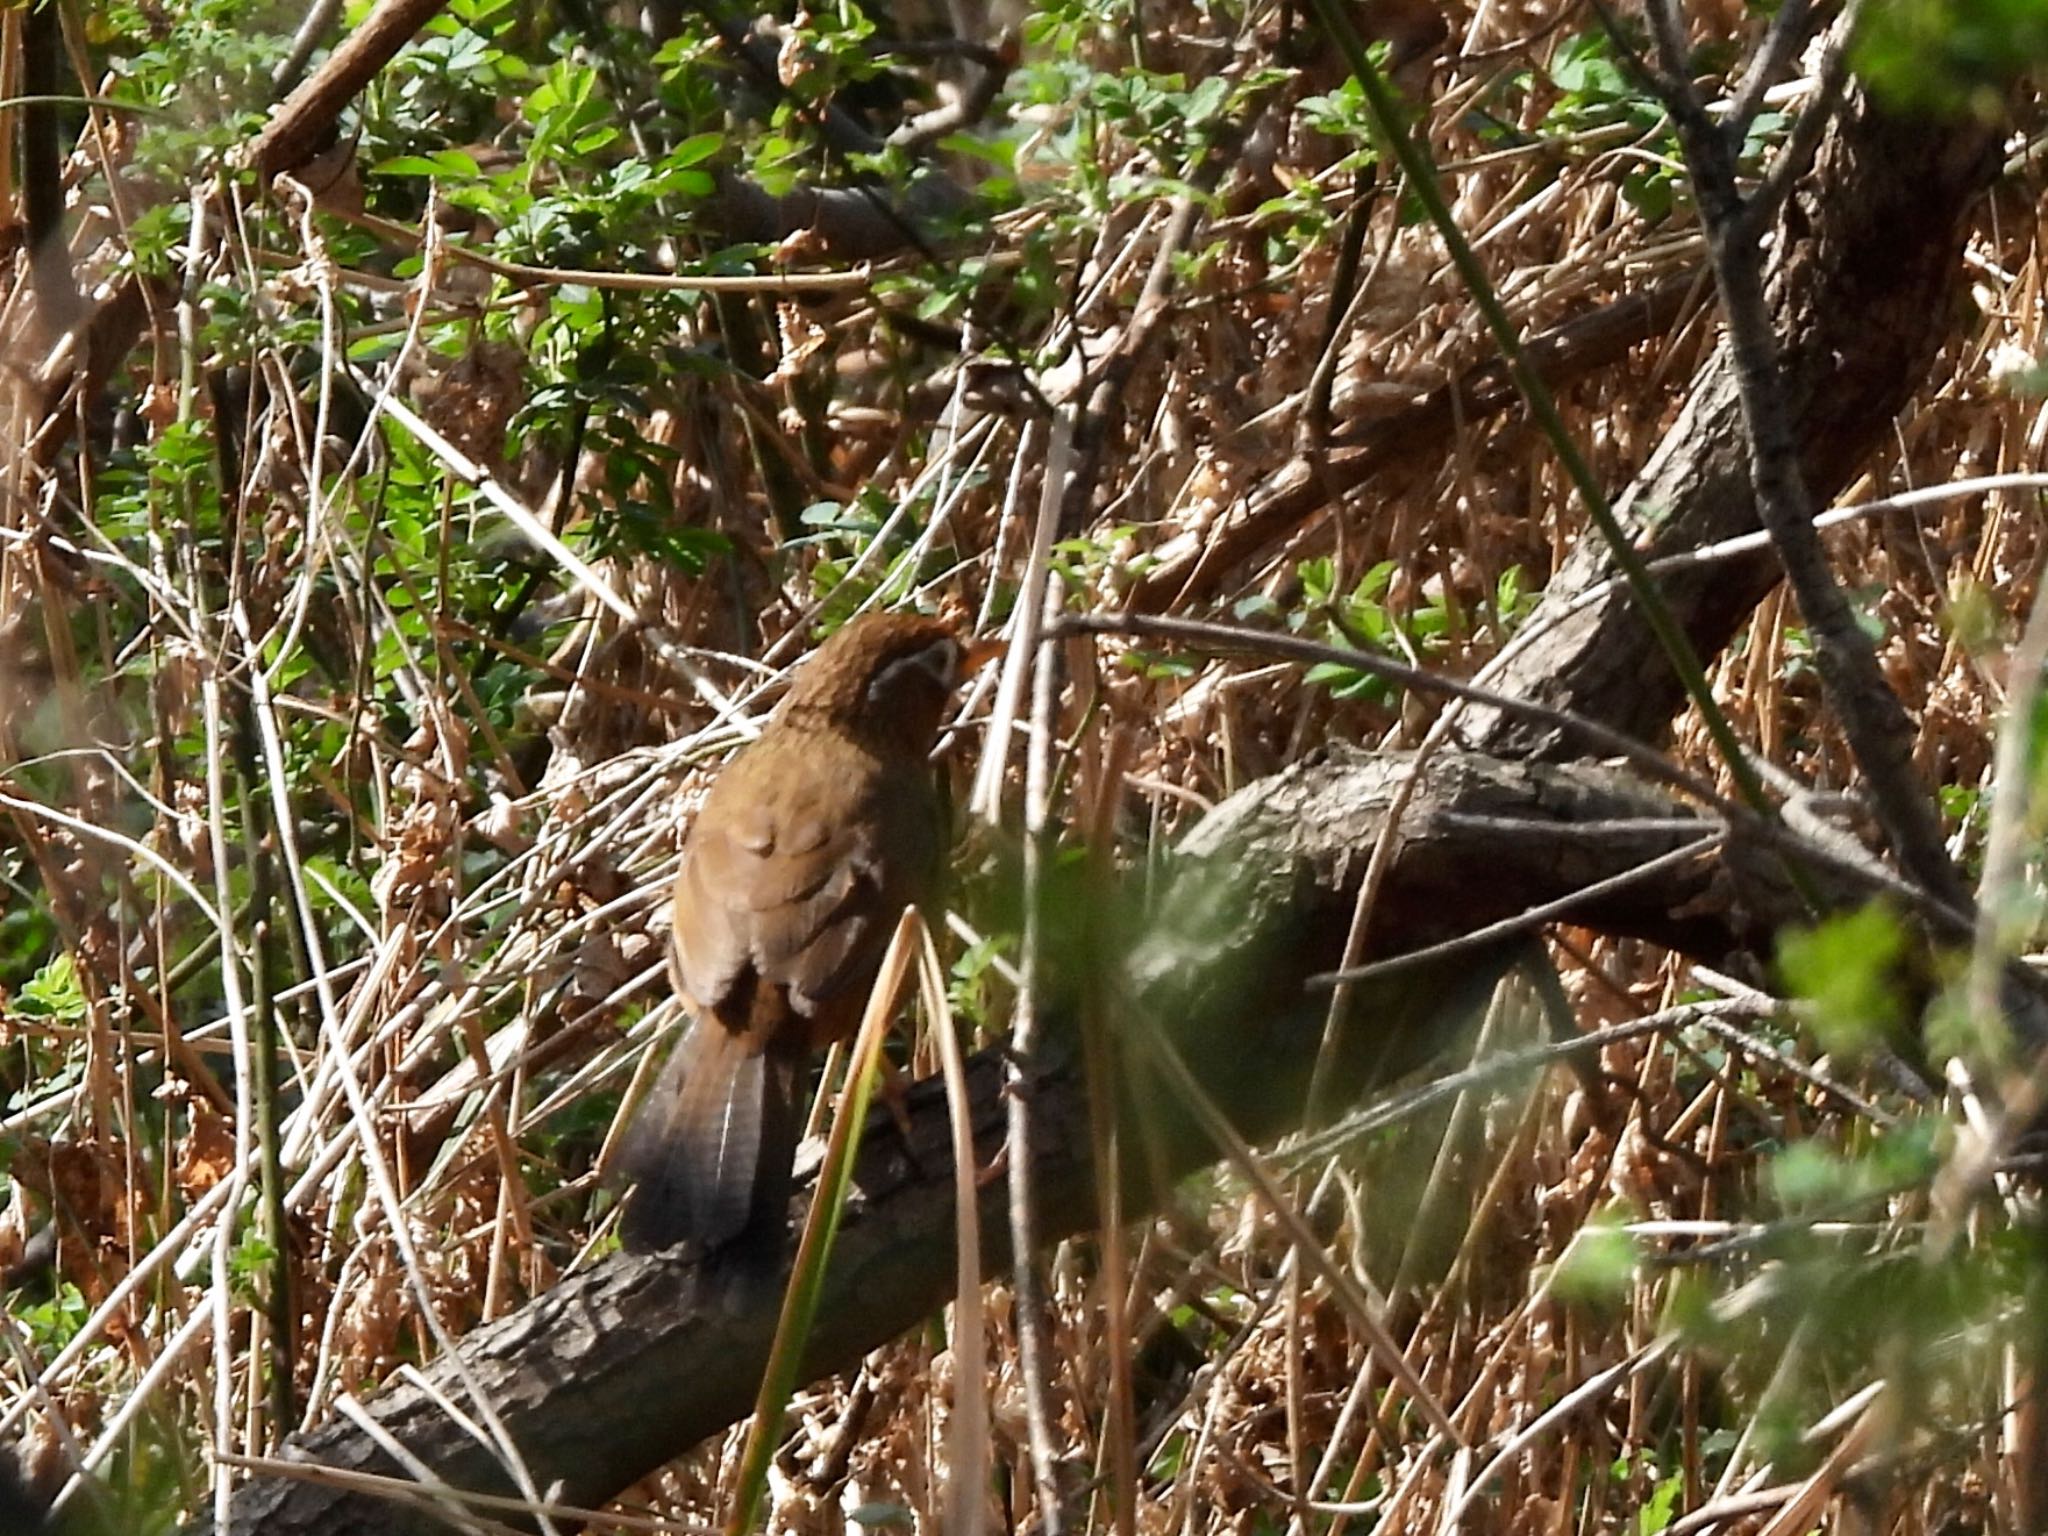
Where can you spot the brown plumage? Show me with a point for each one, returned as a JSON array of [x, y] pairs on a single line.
[[807, 849]]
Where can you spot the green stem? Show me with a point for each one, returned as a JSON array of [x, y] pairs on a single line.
[[263, 1091]]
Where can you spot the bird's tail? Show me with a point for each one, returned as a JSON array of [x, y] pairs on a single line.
[[711, 1149]]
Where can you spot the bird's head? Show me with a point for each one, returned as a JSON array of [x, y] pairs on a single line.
[[885, 679]]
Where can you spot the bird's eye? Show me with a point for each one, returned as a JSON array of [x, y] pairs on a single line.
[[937, 664]]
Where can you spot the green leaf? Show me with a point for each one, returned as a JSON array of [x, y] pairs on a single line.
[[1585, 67], [1318, 579], [452, 163], [54, 991], [1661, 1505], [1952, 57], [1206, 101], [1803, 1175], [1150, 664], [882, 1513], [1599, 1264], [697, 147], [1843, 968]]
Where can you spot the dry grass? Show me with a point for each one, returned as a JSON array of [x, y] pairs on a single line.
[[498, 969]]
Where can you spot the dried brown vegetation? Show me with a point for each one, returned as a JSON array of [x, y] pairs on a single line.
[[310, 822]]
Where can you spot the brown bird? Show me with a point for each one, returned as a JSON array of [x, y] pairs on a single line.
[[807, 849]]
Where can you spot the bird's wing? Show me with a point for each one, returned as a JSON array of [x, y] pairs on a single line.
[[790, 887]]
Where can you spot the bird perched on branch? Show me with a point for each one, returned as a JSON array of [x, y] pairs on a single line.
[[807, 849]]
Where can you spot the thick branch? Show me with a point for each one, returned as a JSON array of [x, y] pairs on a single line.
[[1871, 716], [42, 168], [306, 120], [847, 224]]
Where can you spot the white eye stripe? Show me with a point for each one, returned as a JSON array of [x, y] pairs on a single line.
[[940, 661]]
